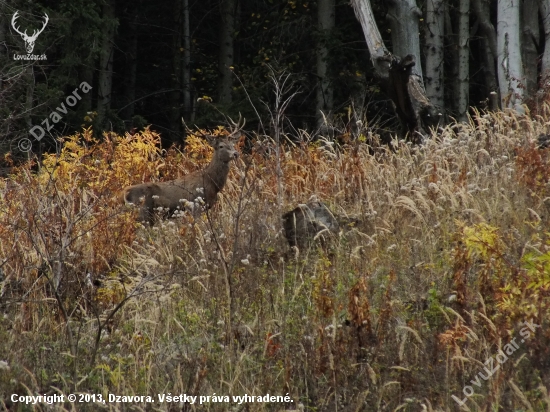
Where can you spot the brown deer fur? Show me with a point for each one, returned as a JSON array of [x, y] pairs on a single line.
[[175, 194]]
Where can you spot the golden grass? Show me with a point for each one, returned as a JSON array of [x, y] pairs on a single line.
[[400, 313]]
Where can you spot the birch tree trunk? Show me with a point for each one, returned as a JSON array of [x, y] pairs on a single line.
[[463, 80], [530, 39], [227, 31], [404, 87], [404, 17], [325, 22], [379, 54], [434, 34], [481, 9], [544, 8], [509, 63], [105, 82]]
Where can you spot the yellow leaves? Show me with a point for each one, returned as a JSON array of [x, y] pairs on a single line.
[[519, 290], [482, 239], [197, 148], [73, 196]]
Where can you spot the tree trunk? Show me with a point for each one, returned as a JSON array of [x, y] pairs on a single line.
[[463, 81], [510, 70], [86, 74], [489, 51], [414, 109], [544, 8], [490, 74], [404, 87], [177, 78], [127, 113], [325, 22], [3, 48], [404, 17], [188, 113], [227, 31], [105, 81], [29, 97], [481, 9], [434, 34], [452, 59], [380, 56], [530, 40]]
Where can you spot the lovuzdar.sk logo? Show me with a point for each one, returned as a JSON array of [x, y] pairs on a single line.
[[28, 39]]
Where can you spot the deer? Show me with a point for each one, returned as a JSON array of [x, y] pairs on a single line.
[[198, 191]]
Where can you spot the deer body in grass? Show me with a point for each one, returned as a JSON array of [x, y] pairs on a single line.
[[197, 190]]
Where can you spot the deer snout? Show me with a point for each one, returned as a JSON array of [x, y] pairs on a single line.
[[235, 155]]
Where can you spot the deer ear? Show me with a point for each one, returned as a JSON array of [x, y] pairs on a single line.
[[210, 139]]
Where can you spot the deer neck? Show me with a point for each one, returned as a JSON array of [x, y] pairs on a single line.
[[217, 173]]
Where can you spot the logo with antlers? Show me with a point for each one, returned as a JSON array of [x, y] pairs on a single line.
[[29, 40]]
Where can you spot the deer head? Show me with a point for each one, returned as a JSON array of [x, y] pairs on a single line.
[[29, 40], [224, 148]]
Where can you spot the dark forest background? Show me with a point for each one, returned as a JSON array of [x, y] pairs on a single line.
[[160, 62]]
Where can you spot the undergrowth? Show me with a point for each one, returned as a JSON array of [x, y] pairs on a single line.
[[450, 259]]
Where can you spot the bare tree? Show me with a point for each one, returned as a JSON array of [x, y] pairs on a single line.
[[398, 76], [434, 33]]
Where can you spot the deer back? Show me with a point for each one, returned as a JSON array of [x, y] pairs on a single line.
[[185, 192]]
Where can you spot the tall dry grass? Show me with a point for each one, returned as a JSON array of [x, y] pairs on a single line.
[[400, 313]]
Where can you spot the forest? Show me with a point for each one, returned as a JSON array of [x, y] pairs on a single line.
[[178, 64], [374, 229]]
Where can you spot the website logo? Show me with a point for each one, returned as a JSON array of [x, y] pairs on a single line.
[[29, 40]]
